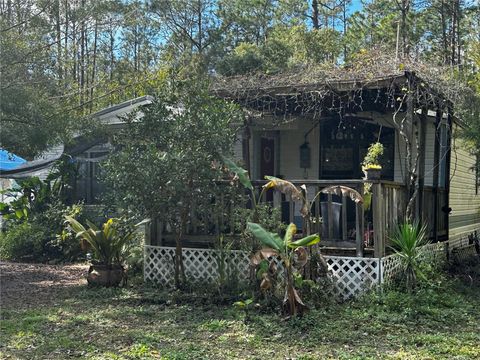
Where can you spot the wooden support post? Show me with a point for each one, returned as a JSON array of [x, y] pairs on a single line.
[[317, 212], [447, 168], [344, 218], [222, 213], [158, 232], [330, 217], [194, 218], [359, 225], [436, 166], [358, 229], [291, 208], [378, 220], [421, 164], [246, 149], [148, 233]]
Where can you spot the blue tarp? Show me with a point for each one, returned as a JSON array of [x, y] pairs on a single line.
[[9, 161]]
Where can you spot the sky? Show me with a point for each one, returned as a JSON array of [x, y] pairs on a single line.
[[356, 6]]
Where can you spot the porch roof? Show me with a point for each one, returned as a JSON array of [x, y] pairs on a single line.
[[375, 86]]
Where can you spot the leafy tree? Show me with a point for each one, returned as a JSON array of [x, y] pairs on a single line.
[[166, 161]]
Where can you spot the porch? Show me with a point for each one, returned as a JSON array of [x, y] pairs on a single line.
[[345, 227]]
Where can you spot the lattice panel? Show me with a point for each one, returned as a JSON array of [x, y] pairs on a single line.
[[159, 265], [435, 252], [464, 254], [201, 265], [353, 276], [391, 267], [459, 242]]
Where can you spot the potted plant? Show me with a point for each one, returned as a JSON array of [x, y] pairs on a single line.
[[108, 245], [371, 163]]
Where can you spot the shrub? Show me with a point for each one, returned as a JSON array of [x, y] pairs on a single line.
[[24, 241], [407, 241]]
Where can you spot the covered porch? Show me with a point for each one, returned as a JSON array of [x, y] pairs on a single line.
[[328, 151], [317, 133]]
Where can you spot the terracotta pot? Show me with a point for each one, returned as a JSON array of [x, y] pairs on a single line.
[[104, 275], [372, 174]]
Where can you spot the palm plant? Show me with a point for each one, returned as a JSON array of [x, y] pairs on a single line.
[[407, 240], [108, 242], [293, 256]]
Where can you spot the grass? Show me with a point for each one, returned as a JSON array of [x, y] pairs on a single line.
[[440, 321]]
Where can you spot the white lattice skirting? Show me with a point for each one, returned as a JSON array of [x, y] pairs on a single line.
[[351, 276]]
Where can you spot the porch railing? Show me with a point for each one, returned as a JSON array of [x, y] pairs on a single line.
[[341, 222], [338, 219]]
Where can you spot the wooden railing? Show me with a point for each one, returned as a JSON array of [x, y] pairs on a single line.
[[340, 222], [388, 209]]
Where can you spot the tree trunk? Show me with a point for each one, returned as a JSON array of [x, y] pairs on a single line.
[[65, 49], [94, 64], [453, 44], [59, 40], [404, 26], [444, 33], [180, 278], [315, 15]]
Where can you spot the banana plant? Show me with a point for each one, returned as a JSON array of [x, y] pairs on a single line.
[[293, 256], [108, 243]]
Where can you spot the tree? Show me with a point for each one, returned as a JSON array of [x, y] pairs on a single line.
[[31, 120], [168, 160]]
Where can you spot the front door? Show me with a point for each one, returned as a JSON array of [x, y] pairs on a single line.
[[267, 162]]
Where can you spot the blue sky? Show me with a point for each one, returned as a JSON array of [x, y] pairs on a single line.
[[356, 5]]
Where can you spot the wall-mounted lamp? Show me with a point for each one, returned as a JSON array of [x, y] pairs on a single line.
[[305, 155]]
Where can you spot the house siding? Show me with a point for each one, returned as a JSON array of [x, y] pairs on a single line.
[[290, 142], [464, 201], [289, 138]]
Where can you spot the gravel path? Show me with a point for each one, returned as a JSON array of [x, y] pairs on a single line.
[[24, 285]]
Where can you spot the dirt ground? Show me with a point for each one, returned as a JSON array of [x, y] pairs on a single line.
[[24, 285]]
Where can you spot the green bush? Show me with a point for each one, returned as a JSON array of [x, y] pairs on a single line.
[[42, 237], [24, 241]]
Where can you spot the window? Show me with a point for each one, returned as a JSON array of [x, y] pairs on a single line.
[[345, 143]]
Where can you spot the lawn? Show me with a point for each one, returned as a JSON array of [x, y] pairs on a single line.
[[142, 322]]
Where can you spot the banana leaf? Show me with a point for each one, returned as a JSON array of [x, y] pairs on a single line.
[[239, 171], [306, 241], [267, 238]]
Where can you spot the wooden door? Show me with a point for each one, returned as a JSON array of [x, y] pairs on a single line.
[[267, 161]]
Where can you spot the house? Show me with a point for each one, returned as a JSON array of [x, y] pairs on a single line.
[[86, 154], [316, 132]]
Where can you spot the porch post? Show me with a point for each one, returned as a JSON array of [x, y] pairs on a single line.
[[447, 167], [378, 220], [359, 226], [421, 163], [436, 165], [246, 148]]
